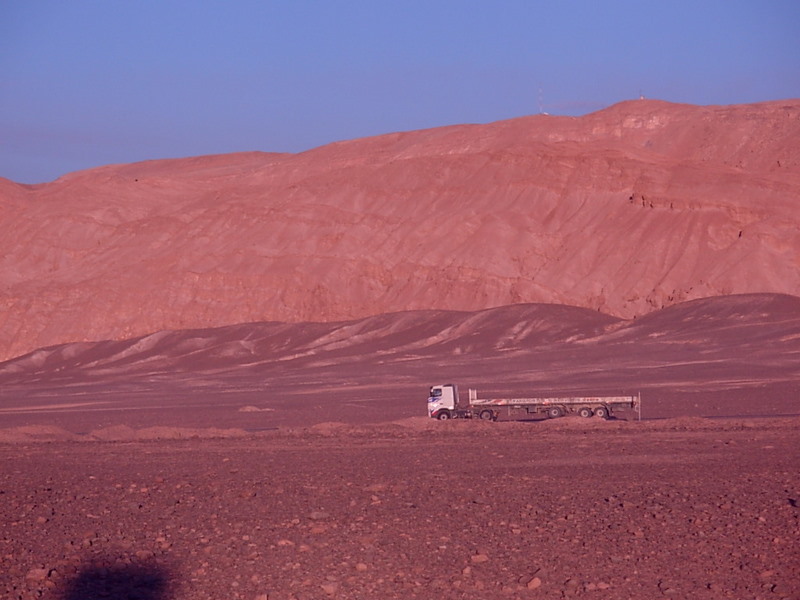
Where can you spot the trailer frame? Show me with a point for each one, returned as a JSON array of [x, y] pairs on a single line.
[[444, 403]]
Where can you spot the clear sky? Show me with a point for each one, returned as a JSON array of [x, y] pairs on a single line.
[[85, 83]]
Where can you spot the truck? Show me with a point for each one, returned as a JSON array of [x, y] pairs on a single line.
[[444, 403]]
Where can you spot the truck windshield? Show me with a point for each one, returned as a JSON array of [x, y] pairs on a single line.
[[436, 392]]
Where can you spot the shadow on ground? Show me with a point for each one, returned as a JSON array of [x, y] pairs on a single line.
[[111, 581]]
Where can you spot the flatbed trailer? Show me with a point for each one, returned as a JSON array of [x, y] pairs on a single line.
[[443, 403]]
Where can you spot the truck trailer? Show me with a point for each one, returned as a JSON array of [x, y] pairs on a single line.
[[444, 403]]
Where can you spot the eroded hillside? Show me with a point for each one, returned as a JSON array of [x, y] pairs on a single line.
[[637, 207]]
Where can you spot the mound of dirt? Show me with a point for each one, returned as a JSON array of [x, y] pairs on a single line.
[[35, 433], [123, 433]]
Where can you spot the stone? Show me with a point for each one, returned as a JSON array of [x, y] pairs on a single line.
[[39, 574], [534, 583], [479, 558], [330, 588]]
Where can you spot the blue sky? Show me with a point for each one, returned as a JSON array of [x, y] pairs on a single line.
[[85, 83]]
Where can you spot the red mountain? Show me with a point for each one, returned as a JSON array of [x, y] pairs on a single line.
[[630, 209]]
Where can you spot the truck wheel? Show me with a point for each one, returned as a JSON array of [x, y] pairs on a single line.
[[486, 415], [585, 412], [601, 411], [443, 416], [554, 412]]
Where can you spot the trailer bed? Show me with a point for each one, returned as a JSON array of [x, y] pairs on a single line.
[[585, 406], [581, 400]]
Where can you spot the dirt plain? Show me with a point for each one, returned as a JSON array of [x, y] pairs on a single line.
[[675, 508]]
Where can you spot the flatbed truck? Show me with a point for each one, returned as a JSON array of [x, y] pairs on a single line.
[[443, 404]]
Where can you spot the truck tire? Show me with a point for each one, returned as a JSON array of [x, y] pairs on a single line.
[[486, 415], [585, 412], [443, 416], [555, 412], [601, 411]]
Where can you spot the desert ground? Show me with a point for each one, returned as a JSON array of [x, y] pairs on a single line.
[[675, 508]]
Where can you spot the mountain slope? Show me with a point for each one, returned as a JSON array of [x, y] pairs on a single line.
[[717, 356], [627, 210]]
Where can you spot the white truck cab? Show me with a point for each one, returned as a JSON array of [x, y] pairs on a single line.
[[443, 404], [442, 401]]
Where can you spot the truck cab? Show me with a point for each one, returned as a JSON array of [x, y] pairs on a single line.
[[442, 401]]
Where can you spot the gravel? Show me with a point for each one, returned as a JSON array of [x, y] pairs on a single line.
[[701, 509]]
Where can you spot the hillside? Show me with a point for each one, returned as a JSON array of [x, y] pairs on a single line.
[[628, 210], [725, 356]]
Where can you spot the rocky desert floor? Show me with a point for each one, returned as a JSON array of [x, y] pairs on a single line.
[[583, 508]]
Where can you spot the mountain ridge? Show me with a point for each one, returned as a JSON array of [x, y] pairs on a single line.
[[627, 210]]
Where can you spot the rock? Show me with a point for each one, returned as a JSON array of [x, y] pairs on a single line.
[[39, 574], [376, 488], [330, 588], [479, 558], [592, 586], [534, 583], [668, 588]]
